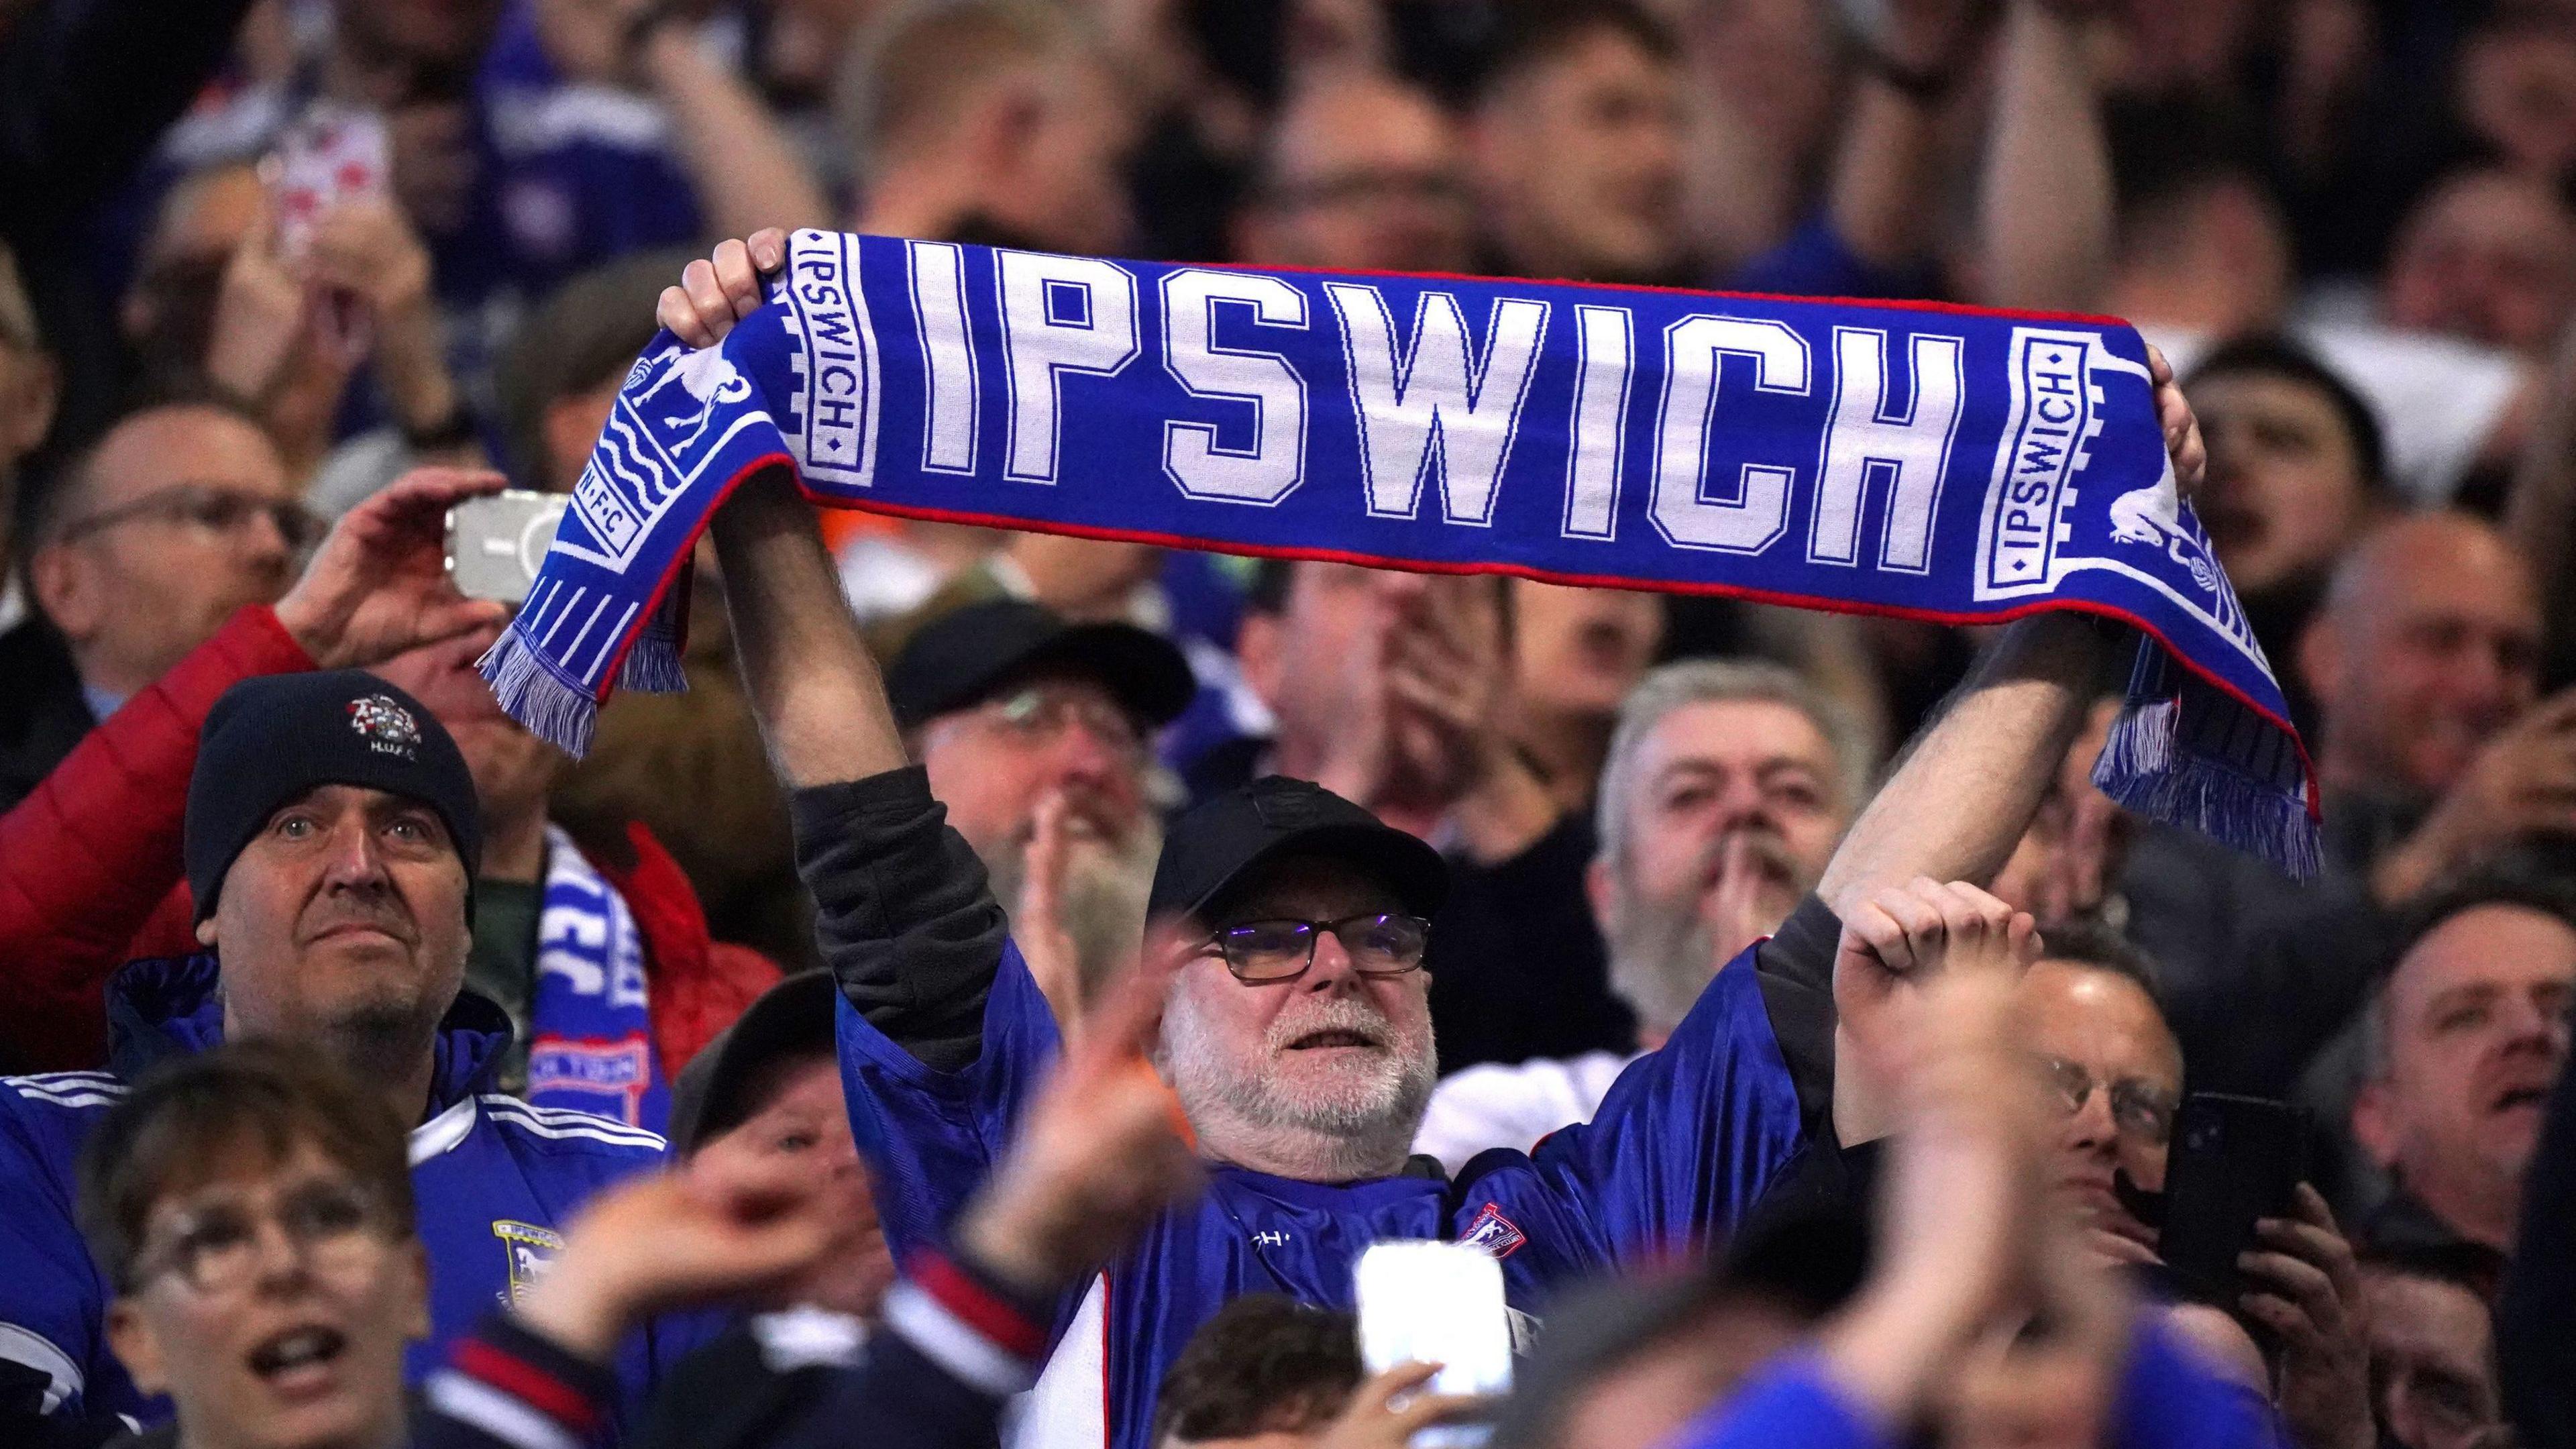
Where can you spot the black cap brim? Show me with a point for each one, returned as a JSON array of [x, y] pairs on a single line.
[[1403, 863], [1142, 670], [793, 1016]]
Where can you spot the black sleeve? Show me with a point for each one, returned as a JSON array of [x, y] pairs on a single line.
[[1796, 971], [2535, 1351], [901, 910]]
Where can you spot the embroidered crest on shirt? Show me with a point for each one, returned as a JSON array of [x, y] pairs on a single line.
[[531, 1251], [1492, 1234]]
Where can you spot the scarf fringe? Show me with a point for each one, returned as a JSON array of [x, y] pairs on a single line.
[[653, 664], [2145, 769], [530, 692]]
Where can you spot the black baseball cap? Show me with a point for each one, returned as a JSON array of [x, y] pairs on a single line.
[[965, 656], [1214, 844], [791, 1018]]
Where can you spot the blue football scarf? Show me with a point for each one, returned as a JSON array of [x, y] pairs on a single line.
[[1922, 461], [590, 1021]]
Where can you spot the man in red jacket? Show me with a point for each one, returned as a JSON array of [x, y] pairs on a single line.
[[90, 869]]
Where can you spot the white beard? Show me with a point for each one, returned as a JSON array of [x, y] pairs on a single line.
[[1355, 1121], [1106, 885]]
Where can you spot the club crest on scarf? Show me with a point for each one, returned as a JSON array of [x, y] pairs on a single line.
[[1925, 461]]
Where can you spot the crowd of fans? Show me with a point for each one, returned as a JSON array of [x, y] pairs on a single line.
[[1770, 991]]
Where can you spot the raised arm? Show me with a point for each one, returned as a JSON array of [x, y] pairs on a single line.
[[2044, 203], [903, 912], [813, 686], [1970, 783]]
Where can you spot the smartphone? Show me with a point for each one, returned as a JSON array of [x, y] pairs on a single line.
[[1428, 1302], [2234, 1159], [330, 153], [495, 543]]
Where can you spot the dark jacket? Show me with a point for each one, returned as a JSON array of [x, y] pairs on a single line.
[[953, 1349], [42, 712]]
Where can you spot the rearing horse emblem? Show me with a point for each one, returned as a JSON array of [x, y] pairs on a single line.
[[707, 377], [2153, 516]]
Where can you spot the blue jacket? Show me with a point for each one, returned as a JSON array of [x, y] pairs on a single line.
[[943, 1037], [495, 1181]]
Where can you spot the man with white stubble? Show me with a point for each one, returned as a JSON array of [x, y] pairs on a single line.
[[1295, 1032]]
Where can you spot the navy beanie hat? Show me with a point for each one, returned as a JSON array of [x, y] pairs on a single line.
[[276, 737]]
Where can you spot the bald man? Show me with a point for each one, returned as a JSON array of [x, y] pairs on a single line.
[[1363, 173], [177, 516], [2434, 753]]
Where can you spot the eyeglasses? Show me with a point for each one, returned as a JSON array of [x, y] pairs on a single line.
[[2140, 1112], [216, 1249], [1264, 953], [1039, 714], [225, 512]]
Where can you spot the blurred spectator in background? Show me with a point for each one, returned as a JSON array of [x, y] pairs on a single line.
[[2463, 1041], [188, 1187], [2490, 255], [1728, 785], [88, 91], [2296, 472], [1576, 139], [221, 304], [2422, 659], [991, 121], [30, 386], [1361, 173], [2515, 88], [135, 554], [1576, 653], [1033, 732], [2433, 1352]]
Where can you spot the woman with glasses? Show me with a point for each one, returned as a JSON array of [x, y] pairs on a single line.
[[252, 1210]]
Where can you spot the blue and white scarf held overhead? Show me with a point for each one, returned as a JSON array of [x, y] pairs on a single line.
[[1924, 461]]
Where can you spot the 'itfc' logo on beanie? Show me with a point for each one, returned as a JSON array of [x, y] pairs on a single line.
[[388, 727]]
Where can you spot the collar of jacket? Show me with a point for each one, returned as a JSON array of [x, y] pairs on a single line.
[[166, 1006]]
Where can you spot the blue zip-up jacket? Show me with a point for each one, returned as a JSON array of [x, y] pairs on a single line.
[[495, 1181], [943, 1037]]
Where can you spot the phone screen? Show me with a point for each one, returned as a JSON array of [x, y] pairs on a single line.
[[1430, 1302]]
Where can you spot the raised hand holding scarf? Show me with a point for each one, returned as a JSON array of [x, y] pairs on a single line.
[[1922, 461]]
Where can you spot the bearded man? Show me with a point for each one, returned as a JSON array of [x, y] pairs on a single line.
[[1296, 1029], [1726, 787], [1035, 733]]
